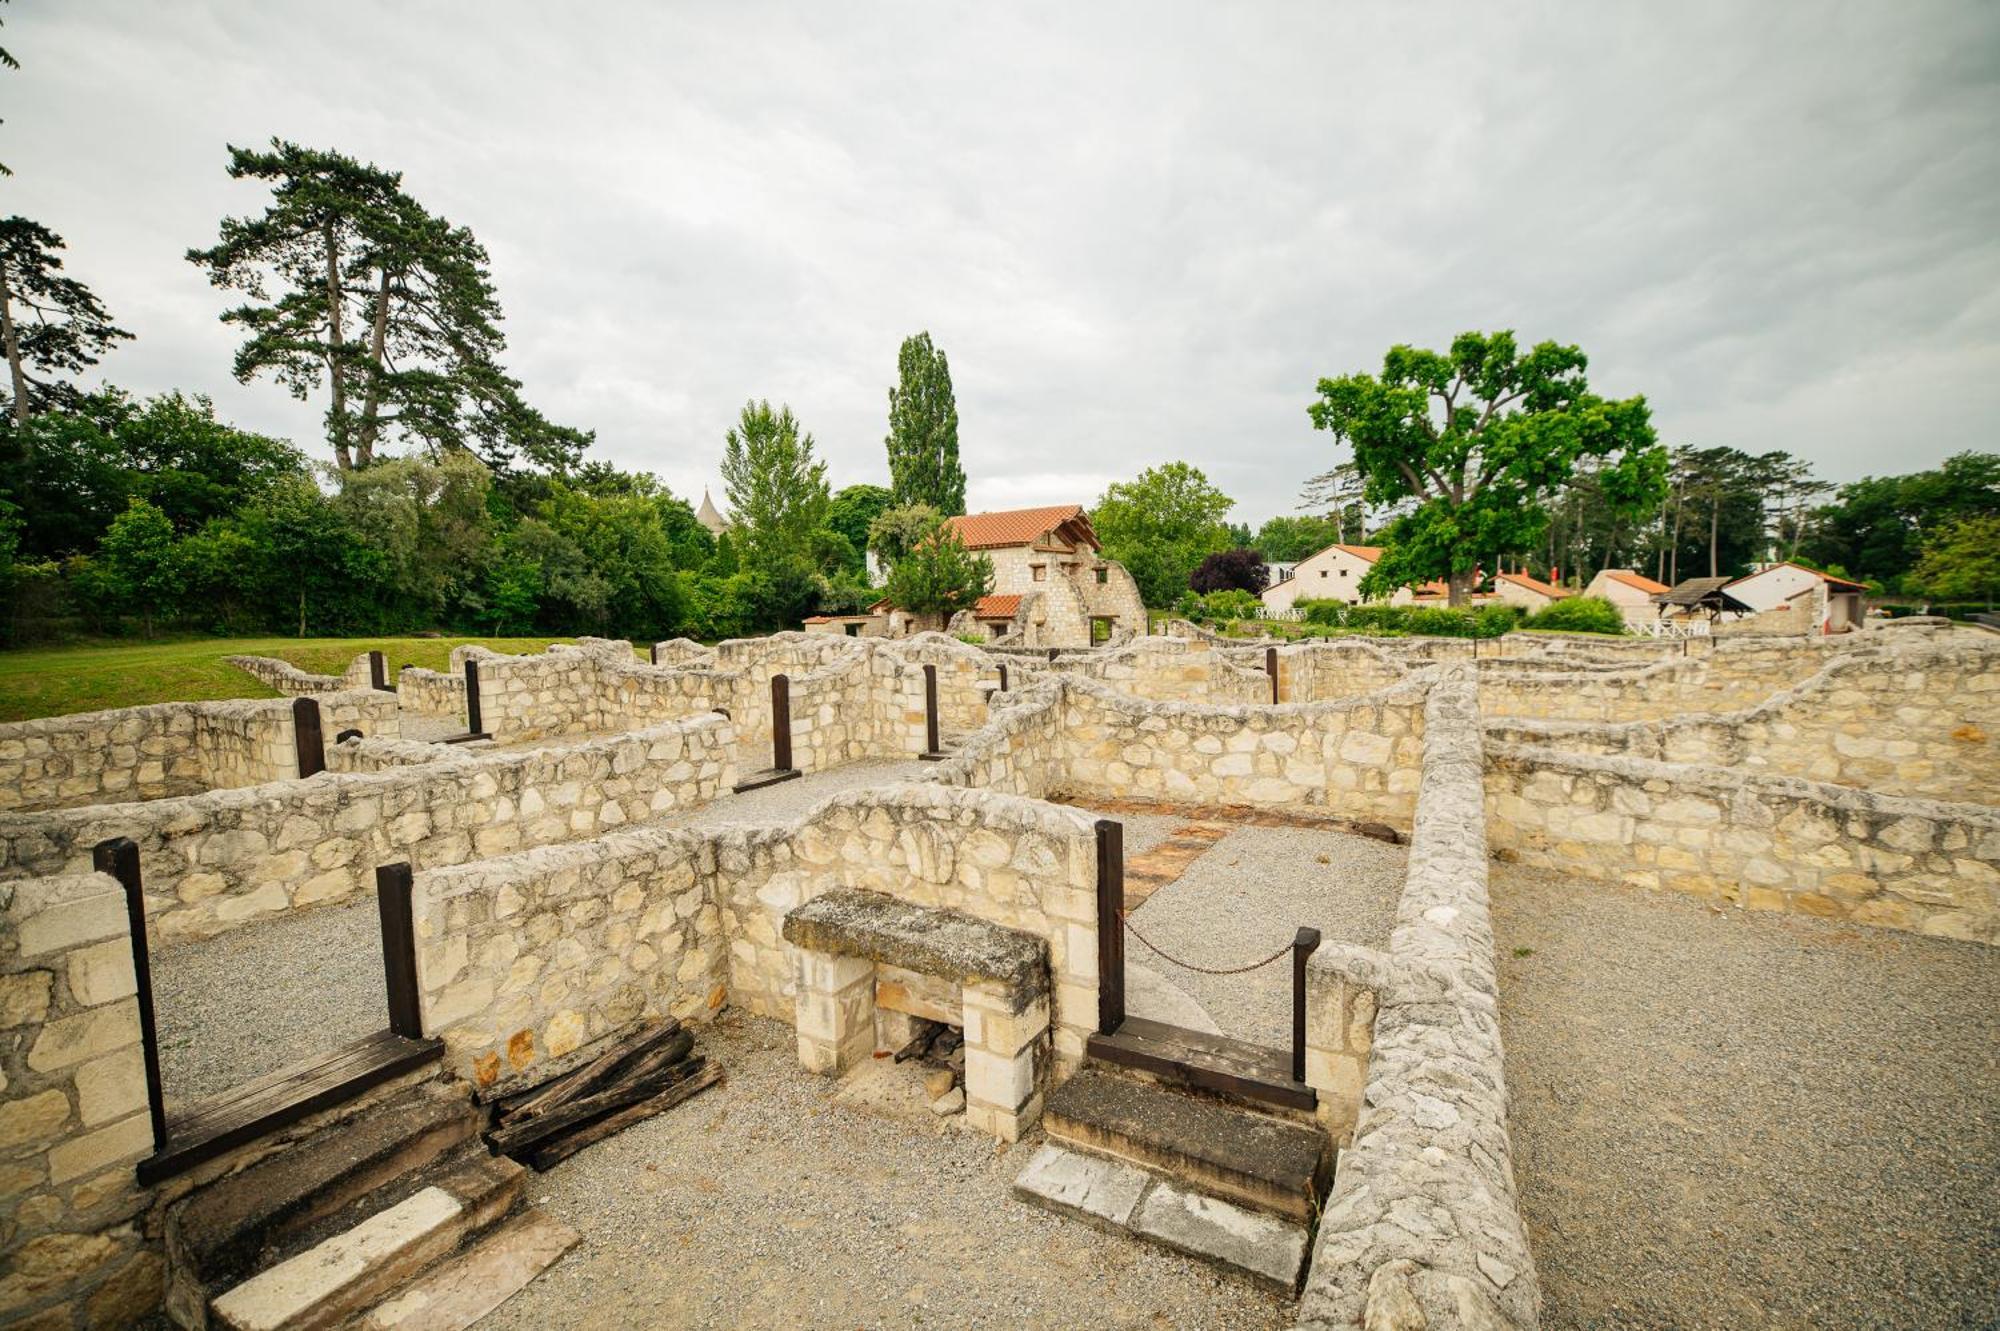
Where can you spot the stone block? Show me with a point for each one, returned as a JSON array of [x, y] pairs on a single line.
[[71, 1040], [102, 972], [86, 1154]]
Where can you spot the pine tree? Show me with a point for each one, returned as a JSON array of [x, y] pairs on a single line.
[[49, 323], [391, 306], [923, 430], [776, 488]]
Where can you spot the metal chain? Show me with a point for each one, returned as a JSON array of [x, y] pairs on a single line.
[[1190, 966]]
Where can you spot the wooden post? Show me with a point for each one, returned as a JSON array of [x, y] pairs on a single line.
[[1003, 677], [930, 711], [307, 738], [378, 673], [472, 716], [653, 651], [1110, 926], [393, 884], [1271, 669], [781, 723], [119, 857], [1303, 946]]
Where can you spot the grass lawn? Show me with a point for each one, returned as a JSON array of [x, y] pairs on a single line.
[[52, 681]]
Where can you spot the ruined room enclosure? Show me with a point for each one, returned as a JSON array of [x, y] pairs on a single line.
[[787, 828]]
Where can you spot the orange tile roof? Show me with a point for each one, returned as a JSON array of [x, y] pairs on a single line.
[[996, 607], [1370, 553], [1639, 580], [1020, 526], [1804, 568], [1554, 593]]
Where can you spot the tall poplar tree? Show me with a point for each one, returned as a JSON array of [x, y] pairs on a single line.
[[923, 430], [351, 283], [50, 325]]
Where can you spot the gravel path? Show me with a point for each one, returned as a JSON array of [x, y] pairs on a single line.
[[251, 1001], [789, 800], [1725, 1119], [1247, 897], [763, 1203]]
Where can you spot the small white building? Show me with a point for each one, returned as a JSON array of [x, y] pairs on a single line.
[[1633, 593], [1830, 604], [1531, 594], [1332, 574]]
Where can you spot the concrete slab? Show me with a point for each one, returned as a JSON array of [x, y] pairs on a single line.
[[1100, 1191], [327, 1283], [1263, 1246], [465, 1289]]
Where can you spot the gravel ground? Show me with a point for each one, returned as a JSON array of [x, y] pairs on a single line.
[[1725, 1119], [1143, 831], [1247, 897], [764, 1203], [251, 1001], [790, 800]]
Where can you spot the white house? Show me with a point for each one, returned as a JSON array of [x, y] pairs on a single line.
[[1333, 574], [1631, 592], [1530, 594], [1831, 605]]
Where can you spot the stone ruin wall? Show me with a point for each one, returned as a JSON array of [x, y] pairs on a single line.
[[1423, 1227], [526, 957], [1908, 721], [215, 860], [430, 693], [167, 750]]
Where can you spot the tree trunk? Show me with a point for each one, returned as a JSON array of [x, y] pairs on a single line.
[[1674, 545], [336, 365], [1714, 529], [377, 346], [12, 342], [302, 612], [1461, 590]]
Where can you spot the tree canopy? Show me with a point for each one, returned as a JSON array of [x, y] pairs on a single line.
[[1161, 525], [1231, 570], [933, 574], [51, 325], [351, 283], [923, 430], [1479, 438]]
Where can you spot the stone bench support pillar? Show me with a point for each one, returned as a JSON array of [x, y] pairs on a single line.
[[1006, 1059], [836, 1011]]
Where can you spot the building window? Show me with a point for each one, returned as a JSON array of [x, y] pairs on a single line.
[[1343, 573], [1103, 576], [853, 630], [1040, 572], [1322, 573]]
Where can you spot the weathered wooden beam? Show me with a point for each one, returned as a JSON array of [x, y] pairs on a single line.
[[556, 1152]]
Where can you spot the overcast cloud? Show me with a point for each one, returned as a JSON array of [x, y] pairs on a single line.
[[1140, 232]]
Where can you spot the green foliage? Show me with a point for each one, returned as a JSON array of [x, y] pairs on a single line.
[[1478, 439], [854, 510], [351, 282], [1961, 562], [137, 565], [1578, 614], [937, 576], [1488, 621], [1880, 527], [1286, 540], [1161, 525], [776, 488], [899, 530], [923, 430], [54, 327], [1229, 603]]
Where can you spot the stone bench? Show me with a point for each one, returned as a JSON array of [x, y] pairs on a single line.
[[864, 954]]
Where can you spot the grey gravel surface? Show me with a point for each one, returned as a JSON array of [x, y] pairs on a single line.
[[1143, 831], [265, 995], [1247, 897], [789, 800], [1727, 1119], [764, 1203]]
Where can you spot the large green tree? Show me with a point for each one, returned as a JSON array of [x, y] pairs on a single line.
[[936, 576], [778, 502], [1879, 526], [136, 562], [1961, 561], [51, 325], [1479, 437], [854, 510], [923, 430], [1286, 540], [1161, 525], [354, 285]]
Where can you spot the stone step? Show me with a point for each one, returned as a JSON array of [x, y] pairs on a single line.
[[222, 1232], [1226, 1151], [340, 1276], [1120, 1198], [459, 1292]]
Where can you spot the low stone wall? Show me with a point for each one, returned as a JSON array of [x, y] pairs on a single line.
[[1359, 758], [431, 693], [167, 749], [1761, 842], [1019, 751], [1329, 671], [527, 956], [73, 1115], [1423, 1228], [216, 860], [378, 755], [1908, 721], [288, 679]]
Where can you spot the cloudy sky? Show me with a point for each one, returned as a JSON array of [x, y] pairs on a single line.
[[1141, 232]]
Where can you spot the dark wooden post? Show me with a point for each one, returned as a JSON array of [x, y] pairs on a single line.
[[1110, 926], [781, 723], [378, 673], [653, 651], [1303, 946], [119, 857], [472, 716], [1271, 669], [307, 738], [930, 712], [393, 884], [1003, 677], [1052, 655]]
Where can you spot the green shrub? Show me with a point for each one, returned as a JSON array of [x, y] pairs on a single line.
[[1488, 621], [1578, 614]]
